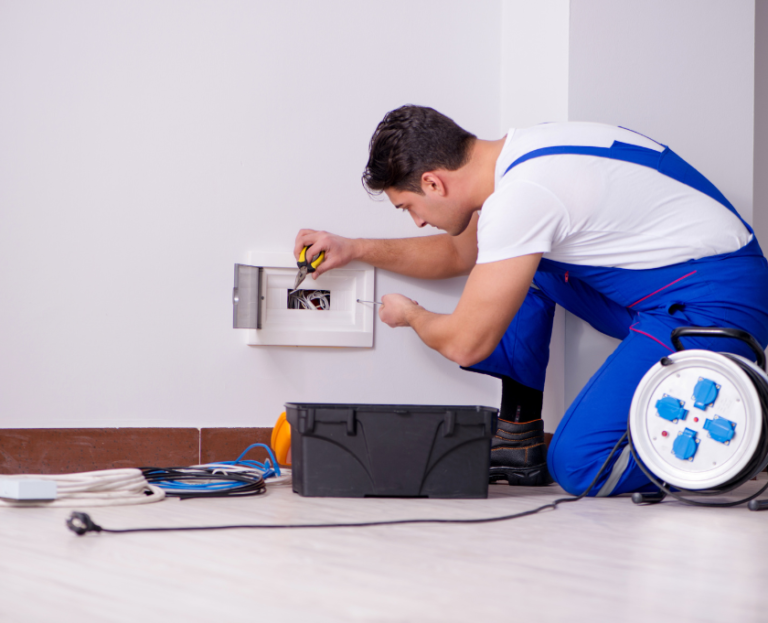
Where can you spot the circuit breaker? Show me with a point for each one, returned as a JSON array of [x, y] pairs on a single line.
[[323, 312]]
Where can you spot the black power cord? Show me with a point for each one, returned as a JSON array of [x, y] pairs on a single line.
[[81, 523]]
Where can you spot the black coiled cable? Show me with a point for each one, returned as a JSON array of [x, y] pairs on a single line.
[[203, 480]]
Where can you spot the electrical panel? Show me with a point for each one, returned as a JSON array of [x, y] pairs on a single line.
[[323, 312]]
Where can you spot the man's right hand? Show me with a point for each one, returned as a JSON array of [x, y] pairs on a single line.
[[339, 251]]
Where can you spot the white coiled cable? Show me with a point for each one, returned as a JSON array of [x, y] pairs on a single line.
[[108, 487]]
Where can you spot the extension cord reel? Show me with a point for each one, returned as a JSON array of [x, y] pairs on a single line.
[[697, 419]]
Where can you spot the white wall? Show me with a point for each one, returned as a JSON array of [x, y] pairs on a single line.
[[145, 147], [680, 71], [760, 210]]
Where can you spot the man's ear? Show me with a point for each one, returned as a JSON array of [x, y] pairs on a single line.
[[432, 183]]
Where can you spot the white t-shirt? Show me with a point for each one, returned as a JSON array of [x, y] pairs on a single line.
[[595, 211]]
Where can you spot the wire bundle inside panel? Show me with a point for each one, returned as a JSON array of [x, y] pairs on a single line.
[[317, 300]]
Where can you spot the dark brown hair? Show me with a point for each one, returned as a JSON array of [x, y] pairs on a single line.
[[410, 141]]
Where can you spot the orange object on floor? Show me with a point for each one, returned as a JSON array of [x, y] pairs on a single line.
[[281, 441]]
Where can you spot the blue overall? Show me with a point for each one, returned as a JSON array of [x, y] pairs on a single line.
[[639, 307]]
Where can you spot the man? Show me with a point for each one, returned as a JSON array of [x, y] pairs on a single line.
[[609, 224]]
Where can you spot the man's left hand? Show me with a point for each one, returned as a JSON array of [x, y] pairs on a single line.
[[395, 309]]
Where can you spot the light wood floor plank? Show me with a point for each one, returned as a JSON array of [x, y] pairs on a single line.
[[593, 560]]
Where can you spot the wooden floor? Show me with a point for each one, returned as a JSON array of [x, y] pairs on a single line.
[[593, 560]]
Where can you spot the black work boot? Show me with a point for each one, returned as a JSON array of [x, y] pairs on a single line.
[[518, 450], [519, 454]]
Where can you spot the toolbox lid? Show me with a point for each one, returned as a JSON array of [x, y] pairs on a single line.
[[304, 415]]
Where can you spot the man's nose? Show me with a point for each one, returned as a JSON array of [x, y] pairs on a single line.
[[419, 222]]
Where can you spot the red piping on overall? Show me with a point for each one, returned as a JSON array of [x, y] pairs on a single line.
[[632, 328], [664, 288]]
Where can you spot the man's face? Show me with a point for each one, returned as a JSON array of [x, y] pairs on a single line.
[[431, 209]]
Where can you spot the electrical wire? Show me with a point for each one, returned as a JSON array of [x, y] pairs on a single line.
[[112, 487], [756, 464], [202, 482], [81, 523], [316, 300], [236, 478], [107, 487]]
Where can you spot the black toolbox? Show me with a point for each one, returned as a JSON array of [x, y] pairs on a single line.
[[359, 450]]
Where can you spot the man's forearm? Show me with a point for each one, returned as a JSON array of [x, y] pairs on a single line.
[[428, 257], [493, 294], [441, 333]]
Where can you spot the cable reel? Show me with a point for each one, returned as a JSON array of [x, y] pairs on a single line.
[[698, 423]]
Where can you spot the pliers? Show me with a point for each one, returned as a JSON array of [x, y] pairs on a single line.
[[306, 267]]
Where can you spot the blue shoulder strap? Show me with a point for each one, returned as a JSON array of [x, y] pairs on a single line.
[[665, 162]]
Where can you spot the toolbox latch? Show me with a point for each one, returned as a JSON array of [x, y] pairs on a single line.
[[351, 422], [306, 421], [489, 430], [449, 423]]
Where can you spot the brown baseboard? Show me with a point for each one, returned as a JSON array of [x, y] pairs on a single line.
[[226, 444], [68, 450]]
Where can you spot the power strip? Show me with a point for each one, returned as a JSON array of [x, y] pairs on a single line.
[[27, 489]]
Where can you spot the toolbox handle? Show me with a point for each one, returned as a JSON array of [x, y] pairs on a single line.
[[738, 334]]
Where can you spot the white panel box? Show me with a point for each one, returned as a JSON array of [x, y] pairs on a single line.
[[345, 323]]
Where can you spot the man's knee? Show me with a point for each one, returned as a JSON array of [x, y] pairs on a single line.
[[573, 466], [567, 467]]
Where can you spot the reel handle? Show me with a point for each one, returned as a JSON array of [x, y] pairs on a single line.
[[719, 332], [757, 505]]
